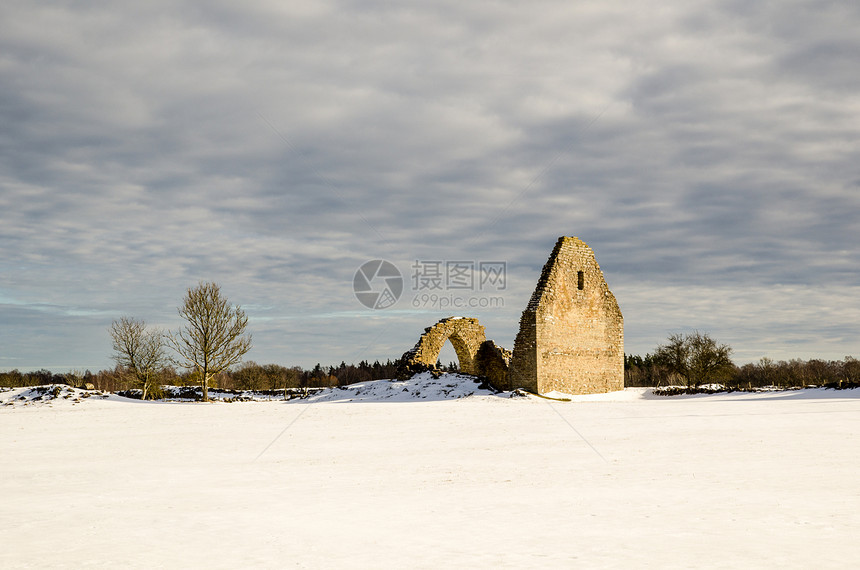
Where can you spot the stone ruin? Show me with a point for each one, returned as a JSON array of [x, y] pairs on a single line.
[[571, 336], [477, 355]]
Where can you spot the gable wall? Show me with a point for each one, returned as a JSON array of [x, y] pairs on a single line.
[[571, 339]]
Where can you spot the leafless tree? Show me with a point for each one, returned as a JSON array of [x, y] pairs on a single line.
[[695, 357], [710, 361], [214, 339], [139, 351], [674, 357]]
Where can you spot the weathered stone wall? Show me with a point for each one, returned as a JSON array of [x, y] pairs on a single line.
[[571, 336], [492, 362], [466, 336]]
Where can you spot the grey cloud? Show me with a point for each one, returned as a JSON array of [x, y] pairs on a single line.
[[274, 148]]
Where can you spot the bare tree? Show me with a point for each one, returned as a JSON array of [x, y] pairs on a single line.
[[695, 357], [138, 350], [250, 376], [214, 339], [674, 356], [710, 361]]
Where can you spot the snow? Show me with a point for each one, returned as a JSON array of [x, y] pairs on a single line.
[[420, 387], [394, 479]]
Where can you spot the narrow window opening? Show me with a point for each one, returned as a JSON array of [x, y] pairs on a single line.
[[580, 280]]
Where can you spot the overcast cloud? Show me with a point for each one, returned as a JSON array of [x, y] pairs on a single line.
[[707, 152]]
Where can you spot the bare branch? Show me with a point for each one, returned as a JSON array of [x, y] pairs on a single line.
[[213, 339], [139, 350]]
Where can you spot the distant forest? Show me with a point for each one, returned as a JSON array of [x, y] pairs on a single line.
[[650, 371], [247, 376], [638, 371]]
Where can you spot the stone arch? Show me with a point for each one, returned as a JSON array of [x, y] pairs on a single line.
[[466, 336]]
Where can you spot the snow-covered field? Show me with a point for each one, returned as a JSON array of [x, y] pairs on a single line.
[[394, 479]]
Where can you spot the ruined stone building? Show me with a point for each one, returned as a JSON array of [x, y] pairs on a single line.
[[571, 336]]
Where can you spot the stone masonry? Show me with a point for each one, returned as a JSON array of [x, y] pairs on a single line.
[[466, 336], [571, 336], [493, 362]]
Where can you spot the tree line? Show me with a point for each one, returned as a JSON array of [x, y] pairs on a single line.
[[695, 359], [247, 376], [205, 352], [211, 342], [209, 348], [641, 371]]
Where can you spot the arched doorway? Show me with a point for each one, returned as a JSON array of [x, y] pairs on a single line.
[[448, 357], [465, 335]]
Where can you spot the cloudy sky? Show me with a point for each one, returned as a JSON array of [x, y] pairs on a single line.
[[707, 152]]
